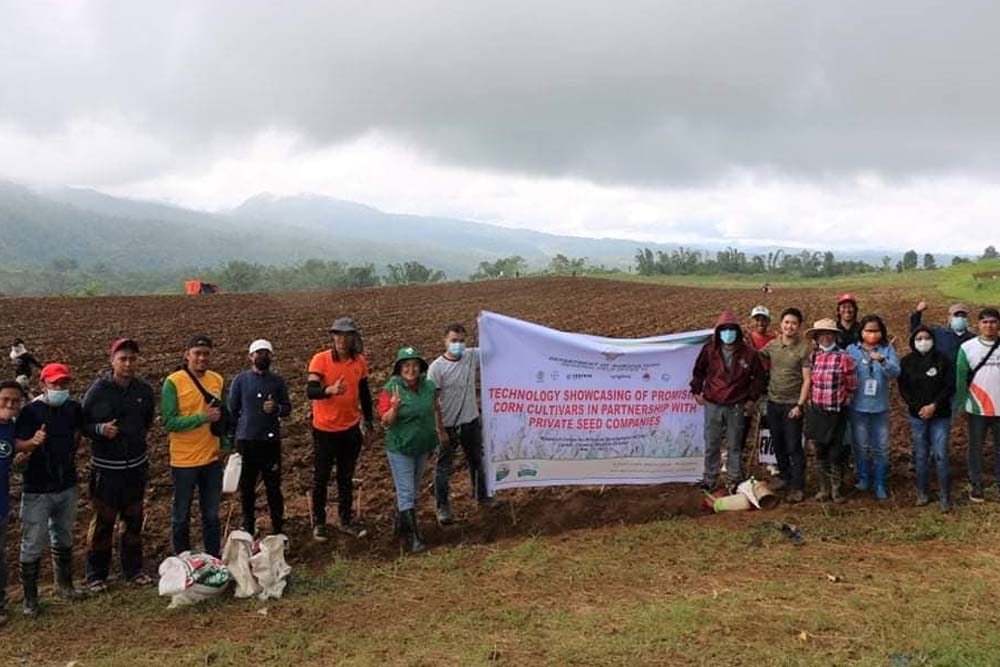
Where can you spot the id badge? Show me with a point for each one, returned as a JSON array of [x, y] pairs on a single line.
[[871, 387]]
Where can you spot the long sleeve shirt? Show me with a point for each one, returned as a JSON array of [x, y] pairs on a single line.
[[131, 407], [946, 340], [833, 379], [247, 394], [874, 378]]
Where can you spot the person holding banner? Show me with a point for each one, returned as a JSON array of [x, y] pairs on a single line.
[[411, 416], [787, 391], [727, 380], [832, 383], [877, 365]]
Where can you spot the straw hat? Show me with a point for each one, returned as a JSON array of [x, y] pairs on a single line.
[[825, 325]]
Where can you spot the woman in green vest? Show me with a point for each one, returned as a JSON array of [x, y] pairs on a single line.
[[413, 426]]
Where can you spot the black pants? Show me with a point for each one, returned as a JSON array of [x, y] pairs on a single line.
[[261, 458], [830, 451], [114, 494], [340, 448], [786, 436], [470, 437]]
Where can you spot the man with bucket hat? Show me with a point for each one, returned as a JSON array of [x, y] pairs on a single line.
[[340, 395], [258, 401], [947, 339], [48, 432], [832, 382], [118, 411], [410, 413]]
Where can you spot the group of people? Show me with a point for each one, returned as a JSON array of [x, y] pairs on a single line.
[[831, 383], [423, 407]]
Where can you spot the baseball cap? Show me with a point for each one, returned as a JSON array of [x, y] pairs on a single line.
[[845, 297], [199, 340], [119, 343], [55, 373], [956, 308], [261, 344], [760, 310]]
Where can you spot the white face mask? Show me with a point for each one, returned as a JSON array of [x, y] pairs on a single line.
[[828, 348], [923, 345]]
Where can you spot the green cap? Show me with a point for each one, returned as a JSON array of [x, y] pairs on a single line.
[[405, 354]]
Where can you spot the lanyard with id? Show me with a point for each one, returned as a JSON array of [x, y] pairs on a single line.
[[871, 384]]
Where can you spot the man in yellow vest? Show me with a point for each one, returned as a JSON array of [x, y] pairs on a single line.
[[191, 405]]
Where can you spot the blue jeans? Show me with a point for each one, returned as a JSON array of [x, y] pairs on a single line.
[[406, 472], [208, 480], [871, 436], [931, 435], [47, 517]]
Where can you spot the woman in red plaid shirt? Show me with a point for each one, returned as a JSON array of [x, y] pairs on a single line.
[[834, 381]]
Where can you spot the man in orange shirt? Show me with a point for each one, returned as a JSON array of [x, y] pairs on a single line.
[[338, 389]]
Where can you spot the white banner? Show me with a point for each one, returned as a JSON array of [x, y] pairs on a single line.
[[564, 408]]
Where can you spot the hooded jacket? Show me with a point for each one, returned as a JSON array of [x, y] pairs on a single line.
[[927, 378], [742, 381], [131, 407]]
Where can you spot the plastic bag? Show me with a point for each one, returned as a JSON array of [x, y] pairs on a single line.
[[231, 476], [192, 577], [270, 568], [236, 555]]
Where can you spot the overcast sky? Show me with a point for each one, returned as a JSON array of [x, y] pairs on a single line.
[[844, 124]]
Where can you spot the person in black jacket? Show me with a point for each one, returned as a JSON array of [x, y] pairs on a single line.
[[927, 385], [117, 413]]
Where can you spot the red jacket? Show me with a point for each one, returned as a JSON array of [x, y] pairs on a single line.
[[743, 381]]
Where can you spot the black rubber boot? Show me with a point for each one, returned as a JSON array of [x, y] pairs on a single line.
[[29, 581], [62, 566], [413, 539]]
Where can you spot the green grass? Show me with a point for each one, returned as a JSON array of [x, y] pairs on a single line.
[[871, 586]]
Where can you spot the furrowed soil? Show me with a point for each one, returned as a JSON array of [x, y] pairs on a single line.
[[652, 579]]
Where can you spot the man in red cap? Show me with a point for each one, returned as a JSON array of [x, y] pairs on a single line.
[[848, 326], [48, 432], [118, 411]]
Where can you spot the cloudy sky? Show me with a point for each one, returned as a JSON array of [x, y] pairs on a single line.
[[845, 124]]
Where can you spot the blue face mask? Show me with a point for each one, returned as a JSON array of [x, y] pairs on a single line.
[[728, 336], [57, 397], [456, 349], [959, 324]]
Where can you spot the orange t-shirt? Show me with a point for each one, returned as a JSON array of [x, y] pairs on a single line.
[[343, 411]]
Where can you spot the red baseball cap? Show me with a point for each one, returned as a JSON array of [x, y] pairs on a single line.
[[119, 343], [55, 373], [845, 297]]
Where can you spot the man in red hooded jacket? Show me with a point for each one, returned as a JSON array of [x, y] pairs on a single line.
[[727, 380]]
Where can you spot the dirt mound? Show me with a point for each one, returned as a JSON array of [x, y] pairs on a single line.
[[79, 331]]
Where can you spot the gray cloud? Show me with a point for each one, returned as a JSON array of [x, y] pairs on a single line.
[[647, 92]]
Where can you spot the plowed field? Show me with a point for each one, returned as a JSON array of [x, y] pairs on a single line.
[[78, 332]]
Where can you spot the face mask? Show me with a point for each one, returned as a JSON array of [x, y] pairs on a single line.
[[828, 348], [262, 364], [728, 336], [456, 349], [924, 345], [57, 397], [959, 324]]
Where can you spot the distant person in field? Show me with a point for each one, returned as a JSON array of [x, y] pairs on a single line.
[[191, 405], [341, 397], [408, 407], [258, 401], [848, 327], [25, 364], [11, 400], [727, 380], [927, 385], [877, 367], [118, 410], [48, 432], [948, 338], [833, 381], [787, 391], [454, 375], [978, 393]]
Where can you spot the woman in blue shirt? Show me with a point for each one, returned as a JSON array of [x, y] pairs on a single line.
[[877, 366]]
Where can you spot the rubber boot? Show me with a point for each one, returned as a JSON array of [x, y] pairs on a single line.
[[864, 475], [881, 474], [836, 484], [412, 533], [29, 582], [823, 479], [62, 567]]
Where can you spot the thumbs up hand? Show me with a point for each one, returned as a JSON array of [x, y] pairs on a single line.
[[337, 388], [110, 429], [38, 439], [269, 405]]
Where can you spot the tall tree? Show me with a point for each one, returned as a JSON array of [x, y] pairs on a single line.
[[929, 262], [909, 260]]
